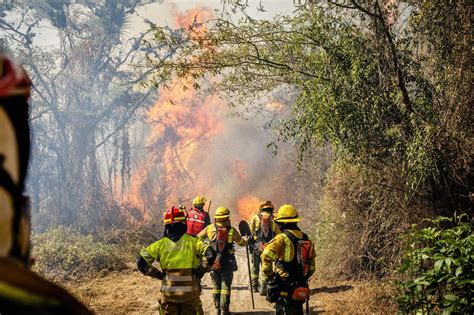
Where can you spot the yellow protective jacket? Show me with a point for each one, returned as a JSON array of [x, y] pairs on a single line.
[[210, 232], [255, 223], [24, 292], [281, 248], [177, 260]]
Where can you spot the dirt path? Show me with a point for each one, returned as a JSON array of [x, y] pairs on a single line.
[[130, 292]]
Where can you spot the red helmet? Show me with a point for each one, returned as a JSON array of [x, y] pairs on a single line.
[[173, 215], [13, 79]]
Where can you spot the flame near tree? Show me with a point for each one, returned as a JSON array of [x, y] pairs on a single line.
[[194, 148]]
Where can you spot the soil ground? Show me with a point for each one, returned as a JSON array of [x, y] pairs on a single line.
[[130, 292]]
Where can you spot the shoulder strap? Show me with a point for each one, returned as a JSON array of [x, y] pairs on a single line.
[[293, 238]]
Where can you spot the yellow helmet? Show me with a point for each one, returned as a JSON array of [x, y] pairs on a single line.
[[267, 206], [222, 213], [287, 214], [199, 200]]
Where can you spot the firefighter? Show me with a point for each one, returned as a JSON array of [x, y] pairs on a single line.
[[196, 218], [288, 261], [263, 229], [182, 260], [21, 290], [222, 237]]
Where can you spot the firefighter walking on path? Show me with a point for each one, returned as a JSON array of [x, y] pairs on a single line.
[[196, 218], [263, 230], [222, 237], [182, 260], [291, 254]]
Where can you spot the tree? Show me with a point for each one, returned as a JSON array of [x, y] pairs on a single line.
[[85, 98], [382, 82], [371, 82]]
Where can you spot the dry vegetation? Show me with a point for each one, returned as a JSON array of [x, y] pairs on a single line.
[[63, 254], [129, 292]]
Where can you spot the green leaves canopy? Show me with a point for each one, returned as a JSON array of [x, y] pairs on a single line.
[[370, 81]]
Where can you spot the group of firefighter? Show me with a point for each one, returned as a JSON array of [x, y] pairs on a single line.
[[282, 255], [283, 258]]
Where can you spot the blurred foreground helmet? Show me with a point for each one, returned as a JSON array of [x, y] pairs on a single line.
[[14, 154], [21, 290]]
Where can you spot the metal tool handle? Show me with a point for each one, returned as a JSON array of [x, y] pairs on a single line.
[[250, 277]]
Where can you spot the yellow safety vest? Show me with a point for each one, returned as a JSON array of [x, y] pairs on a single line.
[[177, 260]]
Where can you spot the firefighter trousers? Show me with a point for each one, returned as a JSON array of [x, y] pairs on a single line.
[[193, 307], [221, 288], [255, 270], [256, 275]]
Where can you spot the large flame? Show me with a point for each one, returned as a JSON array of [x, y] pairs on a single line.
[[193, 148], [247, 206]]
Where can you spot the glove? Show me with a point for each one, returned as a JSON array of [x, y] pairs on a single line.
[[273, 291], [156, 273], [199, 272], [209, 257]]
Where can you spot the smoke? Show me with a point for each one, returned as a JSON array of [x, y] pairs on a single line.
[[194, 146]]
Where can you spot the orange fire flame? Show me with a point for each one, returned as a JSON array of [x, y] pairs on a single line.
[[181, 160], [248, 206]]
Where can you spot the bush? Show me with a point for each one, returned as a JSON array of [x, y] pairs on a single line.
[[130, 240], [63, 254], [362, 215], [438, 268]]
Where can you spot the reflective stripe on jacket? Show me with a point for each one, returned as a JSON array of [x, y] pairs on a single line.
[[24, 292], [177, 260], [211, 233], [281, 248]]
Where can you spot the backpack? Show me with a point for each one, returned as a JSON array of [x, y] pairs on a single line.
[[195, 221], [302, 259], [224, 249], [299, 267]]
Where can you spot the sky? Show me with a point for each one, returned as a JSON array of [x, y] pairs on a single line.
[[162, 14]]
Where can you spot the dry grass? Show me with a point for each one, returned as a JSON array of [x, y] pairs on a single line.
[[353, 297], [130, 292]]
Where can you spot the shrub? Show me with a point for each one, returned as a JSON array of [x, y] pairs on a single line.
[[130, 240], [438, 268], [362, 215], [63, 254]]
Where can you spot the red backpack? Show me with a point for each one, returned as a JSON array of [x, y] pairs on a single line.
[[300, 266], [302, 258], [221, 246], [195, 221]]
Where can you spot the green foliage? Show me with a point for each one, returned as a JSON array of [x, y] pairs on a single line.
[[377, 84], [438, 268], [63, 254], [384, 85]]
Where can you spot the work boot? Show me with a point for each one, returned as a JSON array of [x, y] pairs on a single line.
[[255, 285], [263, 288]]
